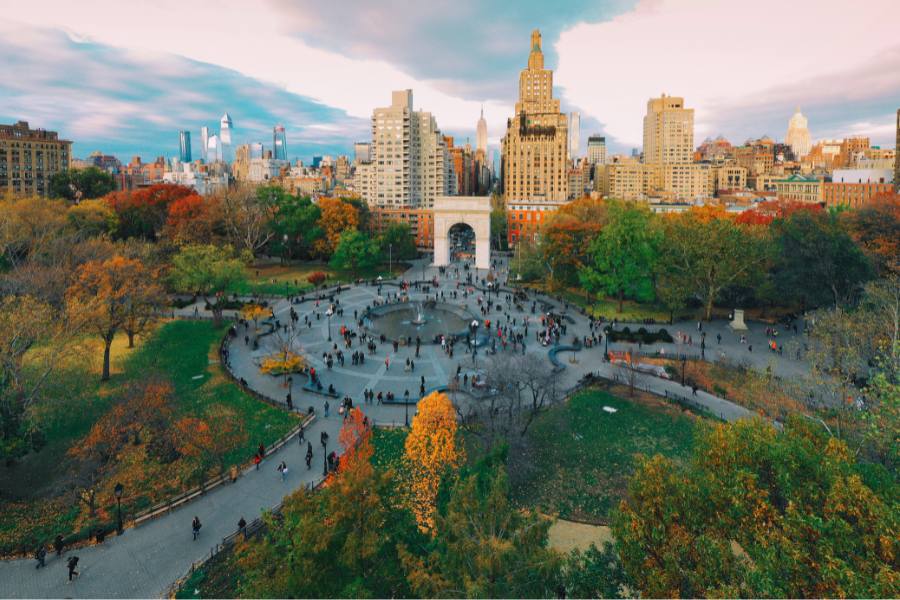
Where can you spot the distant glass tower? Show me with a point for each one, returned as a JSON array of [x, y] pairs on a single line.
[[204, 143], [185, 140], [256, 150], [225, 128], [279, 143]]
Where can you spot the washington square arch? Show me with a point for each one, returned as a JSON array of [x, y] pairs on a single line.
[[474, 211]]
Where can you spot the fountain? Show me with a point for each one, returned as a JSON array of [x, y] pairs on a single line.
[[419, 319], [426, 321]]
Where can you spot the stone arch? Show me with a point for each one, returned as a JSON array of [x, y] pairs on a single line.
[[474, 211]]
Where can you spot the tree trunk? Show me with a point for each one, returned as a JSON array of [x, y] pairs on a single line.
[[130, 339], [709, 306], [621, 300], [107, 344]]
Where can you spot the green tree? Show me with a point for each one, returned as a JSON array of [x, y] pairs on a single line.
[[499, 229], [818, 262], [295, 225], [400, 238], [208, 271], [758, 513], [485, 547], [595, 573], [81, 184], [355, 251], [624, 255], [706, 255]]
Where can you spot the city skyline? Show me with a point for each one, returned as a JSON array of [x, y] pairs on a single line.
[[101, 80]]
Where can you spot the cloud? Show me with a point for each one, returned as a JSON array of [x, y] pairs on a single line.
[[742, 66], [467, 48], [135, 102]]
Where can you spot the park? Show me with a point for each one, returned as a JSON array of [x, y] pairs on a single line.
[[259, 390]]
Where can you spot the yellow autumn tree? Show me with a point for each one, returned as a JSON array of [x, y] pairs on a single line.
[[430, 451]]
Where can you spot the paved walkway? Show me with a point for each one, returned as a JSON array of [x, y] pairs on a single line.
[[145, 561]]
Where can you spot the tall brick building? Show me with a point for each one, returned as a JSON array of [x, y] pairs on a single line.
[[29, 157]]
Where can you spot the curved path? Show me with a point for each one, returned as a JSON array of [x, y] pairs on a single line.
[[143, 562]]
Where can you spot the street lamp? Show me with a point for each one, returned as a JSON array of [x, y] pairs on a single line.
[[325, 459], [606, 340], [683, 364], [118, 492], [390, 260], [328, 314], [406, 411]]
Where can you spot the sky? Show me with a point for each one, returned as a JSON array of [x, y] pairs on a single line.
[[125, 77]]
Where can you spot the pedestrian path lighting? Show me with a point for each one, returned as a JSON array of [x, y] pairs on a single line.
[[118, 492]]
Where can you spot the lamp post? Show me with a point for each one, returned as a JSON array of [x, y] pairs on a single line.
[[328, 314], [325, 458], [390, 260], [683, 364], [118, 492], [406, 412], [606, 341]]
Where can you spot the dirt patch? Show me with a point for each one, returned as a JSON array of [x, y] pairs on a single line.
[[566, 536]]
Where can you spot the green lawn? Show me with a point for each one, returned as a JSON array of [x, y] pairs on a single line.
[[277, 280], [177, 352], [388, 445], [581, 456]]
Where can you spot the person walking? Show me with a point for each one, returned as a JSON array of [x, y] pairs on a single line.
[[283, 469], [40, 555], [58, 545], [195, 527], [242, 527], [309, 456], [72, 564], [301, 435], [326, 409]]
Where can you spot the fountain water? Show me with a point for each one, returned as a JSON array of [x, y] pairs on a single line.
[[420, 316]]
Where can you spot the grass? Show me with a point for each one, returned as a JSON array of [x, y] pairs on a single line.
[[388, 445], [579, 457], [609, 307], [37, 501], [276, 280]]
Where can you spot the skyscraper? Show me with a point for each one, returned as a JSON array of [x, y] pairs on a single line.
[[574, 133], [279, 143], [225, 129], [797, 136], [204, 144], [410, 162], [481, 133], [668, 131], [362, 152], [596, 149], [534, 149], [185, 143], [213, 149]]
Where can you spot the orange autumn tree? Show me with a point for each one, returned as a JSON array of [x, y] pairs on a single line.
[[336, 217], [207, 441], [193, 219], [566, 236], [112, 295], [430, 451], [355, 437]]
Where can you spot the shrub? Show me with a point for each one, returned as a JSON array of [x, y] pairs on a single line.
[[316, 278]]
